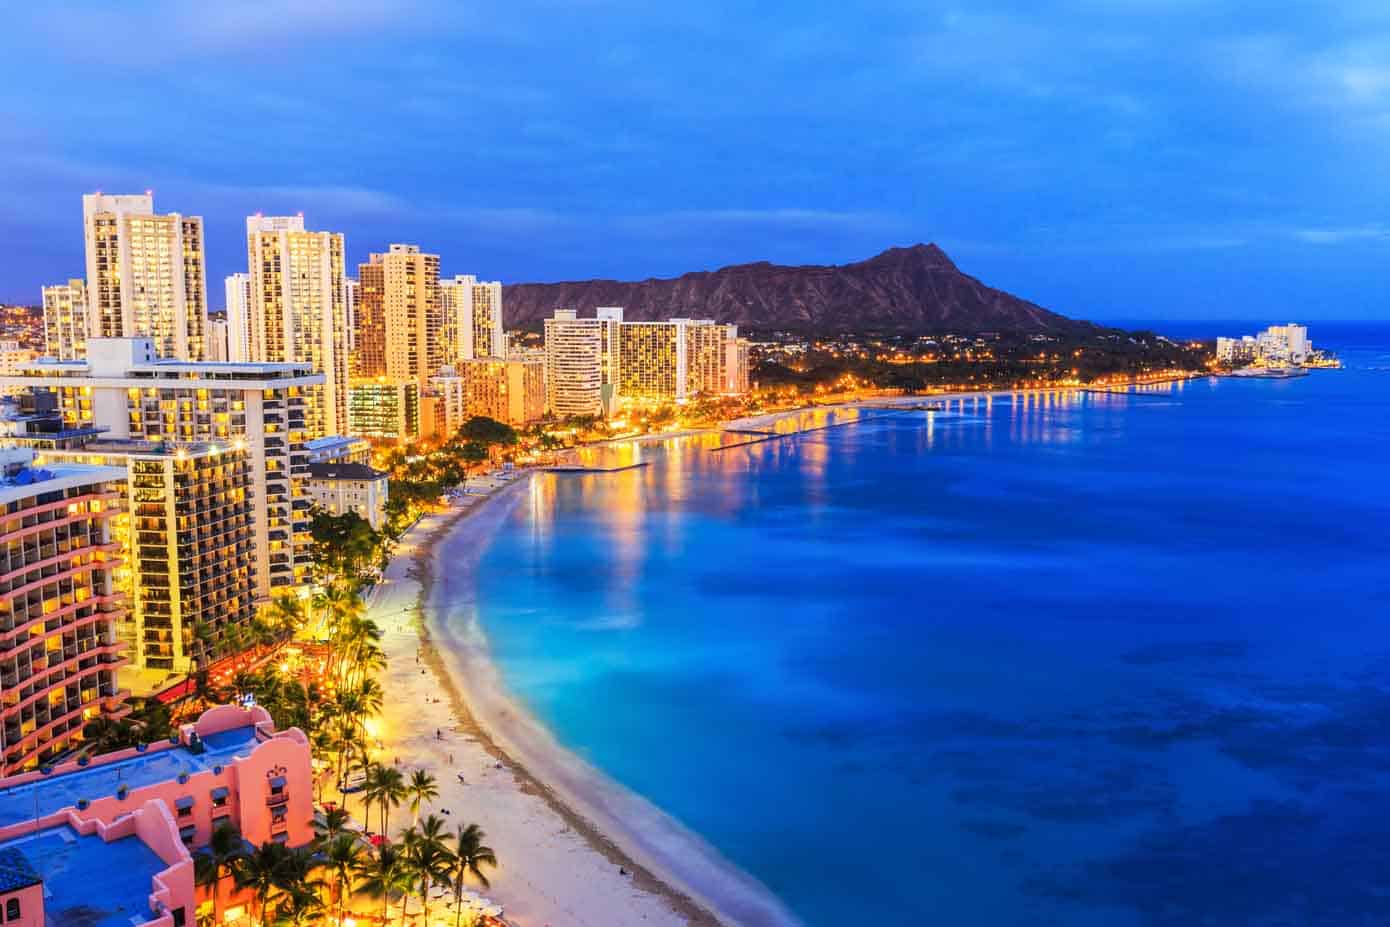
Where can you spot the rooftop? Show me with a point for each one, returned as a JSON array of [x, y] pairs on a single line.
[[28, 482], [43, 797], [344, 471], [89, 882]]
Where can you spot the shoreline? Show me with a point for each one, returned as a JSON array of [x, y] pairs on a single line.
[[627, 882]]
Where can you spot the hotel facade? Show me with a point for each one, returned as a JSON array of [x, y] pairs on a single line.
[[187, 544], [125, 390], [59, 607], [386, 410], [591, 364], [510, 391], [582, 362], [401, 319], [65, 319], [145, 274], [473, 320], [298, 309]]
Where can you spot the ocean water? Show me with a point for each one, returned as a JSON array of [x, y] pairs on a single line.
[[1073, 659]]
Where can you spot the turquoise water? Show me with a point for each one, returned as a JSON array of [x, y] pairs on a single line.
[[1082, 659]]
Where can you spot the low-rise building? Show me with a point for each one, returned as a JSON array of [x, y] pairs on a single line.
[[339, 449], [111, 839], [384, 409], [339, 488]]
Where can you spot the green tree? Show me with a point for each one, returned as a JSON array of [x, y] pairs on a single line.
[[487, 431]]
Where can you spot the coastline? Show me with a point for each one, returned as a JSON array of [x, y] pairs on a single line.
[[570, 828], [590, 850]]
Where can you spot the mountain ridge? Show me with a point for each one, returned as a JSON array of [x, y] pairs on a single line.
[[911, 288]]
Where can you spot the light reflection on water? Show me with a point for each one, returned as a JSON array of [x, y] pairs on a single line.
[[1057, 657]]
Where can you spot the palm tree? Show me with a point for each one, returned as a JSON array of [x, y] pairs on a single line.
[[430, 861], [382, 875], [264, 872], [285, 615], [470, 855], [342, 856], [421, 788], [386, 789], [220, 856], [334, 824]]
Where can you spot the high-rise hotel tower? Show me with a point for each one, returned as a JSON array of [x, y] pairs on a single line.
[[400, 323], [472, 318], [297, 312], [145, 274]]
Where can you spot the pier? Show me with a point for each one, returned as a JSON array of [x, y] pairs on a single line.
[[579, 468]]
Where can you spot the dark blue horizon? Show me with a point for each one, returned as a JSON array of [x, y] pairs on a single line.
[[1144, 159]]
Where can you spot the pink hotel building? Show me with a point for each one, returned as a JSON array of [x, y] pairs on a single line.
[[58, 609], [109, 842]]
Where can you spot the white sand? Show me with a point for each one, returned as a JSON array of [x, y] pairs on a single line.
[[559, 865]]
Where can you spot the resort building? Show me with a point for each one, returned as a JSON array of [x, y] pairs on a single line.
[[125, 390], [110, 840], [1236, 351], [384, 409], [472, 318], [145, 274], [65, 319], [511, 391], [238, 301], [187, 548], [369, 323], [297, 312], [350, 291], [677, 359], [1284, 344], [402, 316], [339, 488], [59, 652], [339, 449], [581, 362]]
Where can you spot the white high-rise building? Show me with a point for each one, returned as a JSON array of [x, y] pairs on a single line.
[[238, 296], [581, 362], [297, 309], [472, 318], [1284, 344], [65, 319], [145, 274]]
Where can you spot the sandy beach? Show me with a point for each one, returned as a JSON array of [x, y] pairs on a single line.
[[568, 856]]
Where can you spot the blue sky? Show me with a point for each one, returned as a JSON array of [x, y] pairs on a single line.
[[1107, 158]]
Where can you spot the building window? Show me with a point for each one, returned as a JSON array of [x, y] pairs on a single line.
[[12, 909]]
